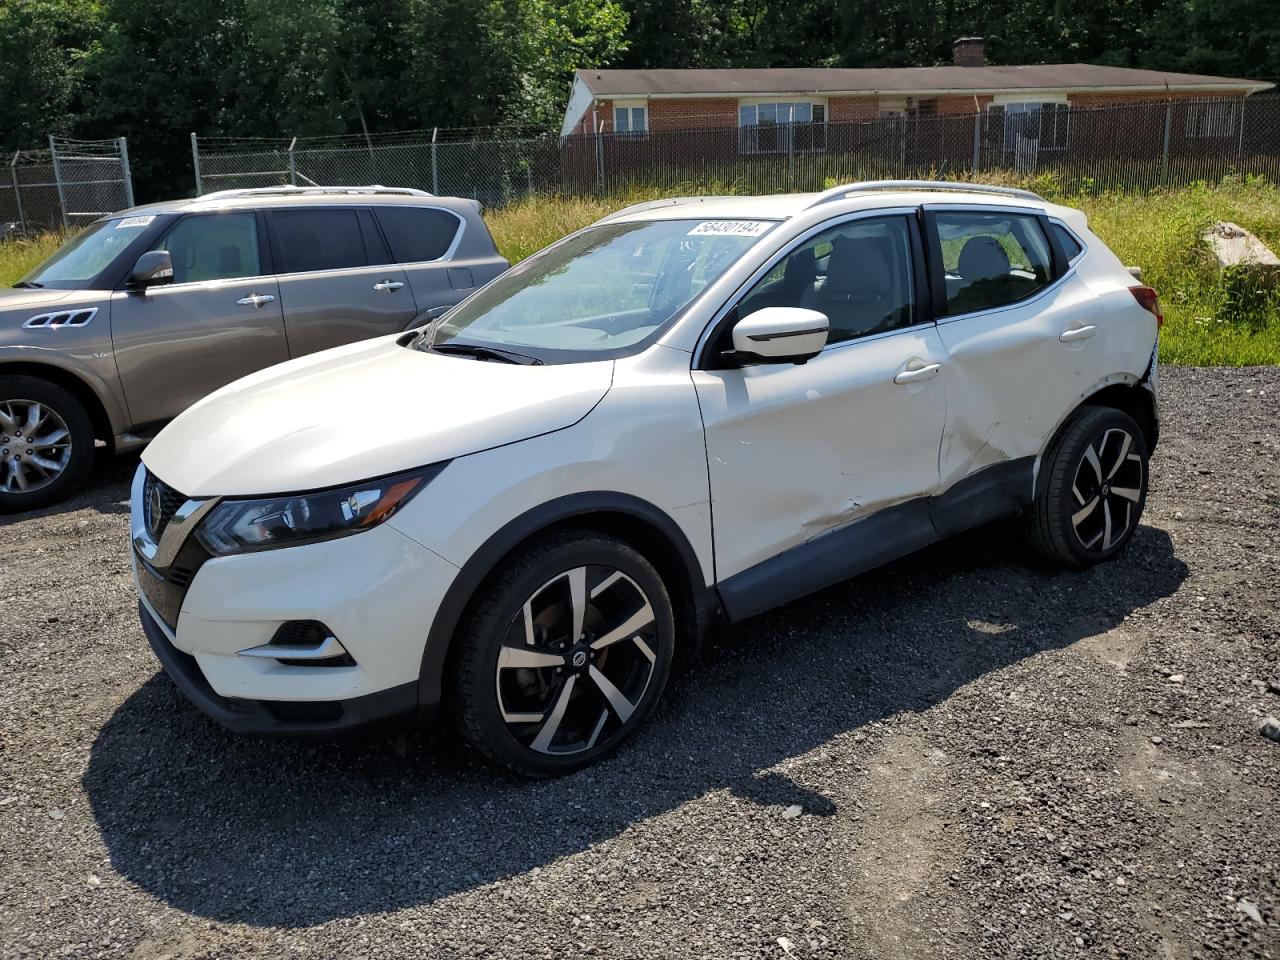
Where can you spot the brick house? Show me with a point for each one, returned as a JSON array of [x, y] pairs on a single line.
[[807, 109]]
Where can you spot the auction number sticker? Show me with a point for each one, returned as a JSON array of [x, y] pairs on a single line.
[[730, 228], [126, 222]]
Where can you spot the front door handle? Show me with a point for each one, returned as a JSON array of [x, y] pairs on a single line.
[[917, 374], [1078, 333], [387, 286], [255, 300]]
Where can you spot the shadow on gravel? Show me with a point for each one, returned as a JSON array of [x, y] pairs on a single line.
[[290, 833]]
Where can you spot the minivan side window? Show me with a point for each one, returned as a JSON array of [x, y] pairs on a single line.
[[322, 239], [858, 273], [991, 259], [219, 246], [418, 233]]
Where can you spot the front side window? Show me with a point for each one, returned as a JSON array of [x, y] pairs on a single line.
[[88, 253], [858, 273], [220, 246], [779, 127], [601, 293], [991, 259], [321, 239]]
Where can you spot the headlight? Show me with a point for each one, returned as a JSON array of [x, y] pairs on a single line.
[[241, 526]]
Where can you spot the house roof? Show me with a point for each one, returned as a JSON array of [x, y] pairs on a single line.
[[898, 80]]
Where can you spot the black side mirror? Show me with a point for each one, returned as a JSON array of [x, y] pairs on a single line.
[[153, 267]]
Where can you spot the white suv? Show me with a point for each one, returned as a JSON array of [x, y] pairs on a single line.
[[693, 409]]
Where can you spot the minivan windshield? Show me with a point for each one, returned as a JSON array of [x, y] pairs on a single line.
[[87, 254], [602, 293]]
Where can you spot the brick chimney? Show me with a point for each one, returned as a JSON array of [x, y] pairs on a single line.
[[968, 52]]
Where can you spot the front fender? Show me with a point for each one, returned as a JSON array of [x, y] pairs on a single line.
[[91, 367]]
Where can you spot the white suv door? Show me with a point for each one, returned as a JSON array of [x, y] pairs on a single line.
[[795, 451], [1022, 346]]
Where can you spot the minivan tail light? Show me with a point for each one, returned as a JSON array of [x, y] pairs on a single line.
[[1149, 300]]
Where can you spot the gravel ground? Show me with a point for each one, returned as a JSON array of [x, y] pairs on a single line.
[[964, 754]]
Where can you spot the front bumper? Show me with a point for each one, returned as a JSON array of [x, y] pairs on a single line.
[[377, 592]]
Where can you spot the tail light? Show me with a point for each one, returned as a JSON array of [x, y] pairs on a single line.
[[1149, 301]]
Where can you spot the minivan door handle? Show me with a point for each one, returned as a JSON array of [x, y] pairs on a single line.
[[916, 374], [387, 286], [1078, 333], [255, 300]]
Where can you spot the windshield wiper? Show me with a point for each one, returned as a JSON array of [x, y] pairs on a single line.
[[27, 285], [486, 353]]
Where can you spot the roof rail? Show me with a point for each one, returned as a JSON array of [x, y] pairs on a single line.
[[291, 191], [654, 204], [868, 186]]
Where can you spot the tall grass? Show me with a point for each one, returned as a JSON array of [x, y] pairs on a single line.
[[19, 257]]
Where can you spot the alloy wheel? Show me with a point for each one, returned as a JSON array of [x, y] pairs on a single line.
[[576, 661], [35, 445], [1107, 489]]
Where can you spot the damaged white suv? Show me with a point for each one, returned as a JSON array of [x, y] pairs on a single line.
[[694, 408]]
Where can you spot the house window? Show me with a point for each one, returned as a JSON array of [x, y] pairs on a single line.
[[1211, 120], [782, 126], [1047, 124], [631, 119]]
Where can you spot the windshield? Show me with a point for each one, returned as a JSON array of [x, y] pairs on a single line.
[[602, 293], [88, 253]]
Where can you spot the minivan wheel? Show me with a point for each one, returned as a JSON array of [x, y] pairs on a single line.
[[565, 656], [46, 443], [1093, 486]]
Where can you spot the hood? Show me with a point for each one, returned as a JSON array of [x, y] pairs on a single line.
[[16, 298], [363, 411]]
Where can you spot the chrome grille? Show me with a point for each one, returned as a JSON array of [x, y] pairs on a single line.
[[159, 503]]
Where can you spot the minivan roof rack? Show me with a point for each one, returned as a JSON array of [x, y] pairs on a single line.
[[869, 186], [292, 191]]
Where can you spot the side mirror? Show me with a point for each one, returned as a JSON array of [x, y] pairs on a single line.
[[153, 267], [779, 335]]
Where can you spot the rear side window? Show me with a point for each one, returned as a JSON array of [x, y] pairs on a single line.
[[1070, 245], [321, 239], [418, 233], [213, 247], [991, 259]]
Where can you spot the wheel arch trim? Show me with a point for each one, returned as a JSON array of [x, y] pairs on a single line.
[[106, 415], [529, 525]]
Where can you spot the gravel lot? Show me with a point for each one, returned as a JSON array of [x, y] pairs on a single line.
[[964, 754]]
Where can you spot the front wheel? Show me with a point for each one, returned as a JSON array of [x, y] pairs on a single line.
[[1092, 489], [46, 443], [565, 656]]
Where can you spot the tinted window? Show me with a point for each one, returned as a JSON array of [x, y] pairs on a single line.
[[858, 274], [417, 234], [216, 247], [1070, 245], [318, 239], [991, 259]]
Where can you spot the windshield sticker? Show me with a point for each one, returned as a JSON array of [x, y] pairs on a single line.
[[730, 228], [127, 222]]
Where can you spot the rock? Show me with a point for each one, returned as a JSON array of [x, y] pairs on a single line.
[[786, 945], [1176, 678], [1157, 740], [56, 814], [1250, 910], [1270, 728], [1234, 246], [792, 812], [1190, 725]]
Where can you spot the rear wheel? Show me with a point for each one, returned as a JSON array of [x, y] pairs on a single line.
[[1093, 487], [46, 443], [566, 656]]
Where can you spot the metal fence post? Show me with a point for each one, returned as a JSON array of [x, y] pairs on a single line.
[[1164, 156], [195, 163], [127, 173], [293, 164], [57, 176], [17, 191], [600, 157], [435, 169], [977, 138], [791, 157]]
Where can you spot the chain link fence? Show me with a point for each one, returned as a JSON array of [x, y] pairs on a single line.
[[1133, 147], [71, 183]]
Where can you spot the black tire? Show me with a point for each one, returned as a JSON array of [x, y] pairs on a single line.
[[20, 389], [1078, 518], [482, 692]]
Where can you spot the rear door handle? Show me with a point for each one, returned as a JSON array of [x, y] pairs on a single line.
[[918, 374], [255, 300], [1078, 333], [387, 286]]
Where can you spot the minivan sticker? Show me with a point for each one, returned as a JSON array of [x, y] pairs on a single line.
[[730, 228], [127, 222]]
